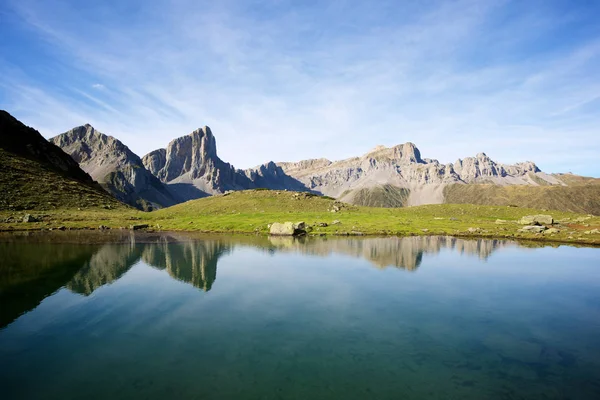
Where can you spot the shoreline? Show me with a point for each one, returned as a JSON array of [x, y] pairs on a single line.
[[533, 238]]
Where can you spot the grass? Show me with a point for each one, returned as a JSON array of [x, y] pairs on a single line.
[[252, 211], [29, 185]]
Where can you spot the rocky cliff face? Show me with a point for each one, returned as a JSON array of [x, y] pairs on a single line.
[[115, 167], [402, 166], [191, 168]]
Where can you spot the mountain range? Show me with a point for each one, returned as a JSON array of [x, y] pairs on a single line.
[[189, 168]]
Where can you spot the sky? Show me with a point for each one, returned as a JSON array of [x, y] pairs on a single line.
[[289, 80]]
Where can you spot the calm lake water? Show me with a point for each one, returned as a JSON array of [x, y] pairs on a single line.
[[180, 317]]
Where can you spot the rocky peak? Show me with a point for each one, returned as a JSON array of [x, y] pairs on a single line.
[[192, 154], [84, 143], [114, 166], [403, 153]]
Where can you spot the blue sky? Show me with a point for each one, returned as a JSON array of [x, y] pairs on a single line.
[[288, 80]]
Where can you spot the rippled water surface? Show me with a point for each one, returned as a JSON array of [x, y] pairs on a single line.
[[168, 316]]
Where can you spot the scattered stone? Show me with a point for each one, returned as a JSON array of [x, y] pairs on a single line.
[[453, 219], [425, 230], [336, 222], [61, 228], [473, 230], [322, 224], [138, 227], [103, 227], [438, 218], [30, 218], [536, 220], [355, 233], [581, 219], [501, 221], [551, 231], [593, 231]]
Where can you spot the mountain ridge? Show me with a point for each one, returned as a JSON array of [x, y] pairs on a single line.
[[189, 168], [112, 164]]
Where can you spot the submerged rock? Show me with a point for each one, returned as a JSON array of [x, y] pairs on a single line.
[[139, 226]]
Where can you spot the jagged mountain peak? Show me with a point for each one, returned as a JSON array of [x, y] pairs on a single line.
[[111, 163], [84, 143], [192, 159]]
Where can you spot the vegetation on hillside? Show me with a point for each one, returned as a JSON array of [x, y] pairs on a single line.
[[378, 196], [252, 211], [581, 198], [26, 184]]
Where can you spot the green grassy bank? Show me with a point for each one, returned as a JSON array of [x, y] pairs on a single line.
[[252, 211]]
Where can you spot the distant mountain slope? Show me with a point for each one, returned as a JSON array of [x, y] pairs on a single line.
[[192, 169], [38, 175], [576, 198], [378, 196], [115, 167]]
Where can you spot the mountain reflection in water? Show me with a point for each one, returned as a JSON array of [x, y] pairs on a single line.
[[31, 271]]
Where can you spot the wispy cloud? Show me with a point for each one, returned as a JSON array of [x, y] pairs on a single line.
[[277, 80]]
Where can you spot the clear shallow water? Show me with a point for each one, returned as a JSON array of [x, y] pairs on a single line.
[[253, 318]]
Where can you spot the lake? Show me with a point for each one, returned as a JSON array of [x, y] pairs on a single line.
[[155, 316]]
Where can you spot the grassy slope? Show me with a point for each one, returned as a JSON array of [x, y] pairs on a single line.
[[379, 196], [252, 211], [29, 185], [581, 198]]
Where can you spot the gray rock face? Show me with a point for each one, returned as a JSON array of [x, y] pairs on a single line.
[[115, 167], [191, 167]]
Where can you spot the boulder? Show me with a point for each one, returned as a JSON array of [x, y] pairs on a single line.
[[287, 229], [536, 220], [533, 229], [30, 218]]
